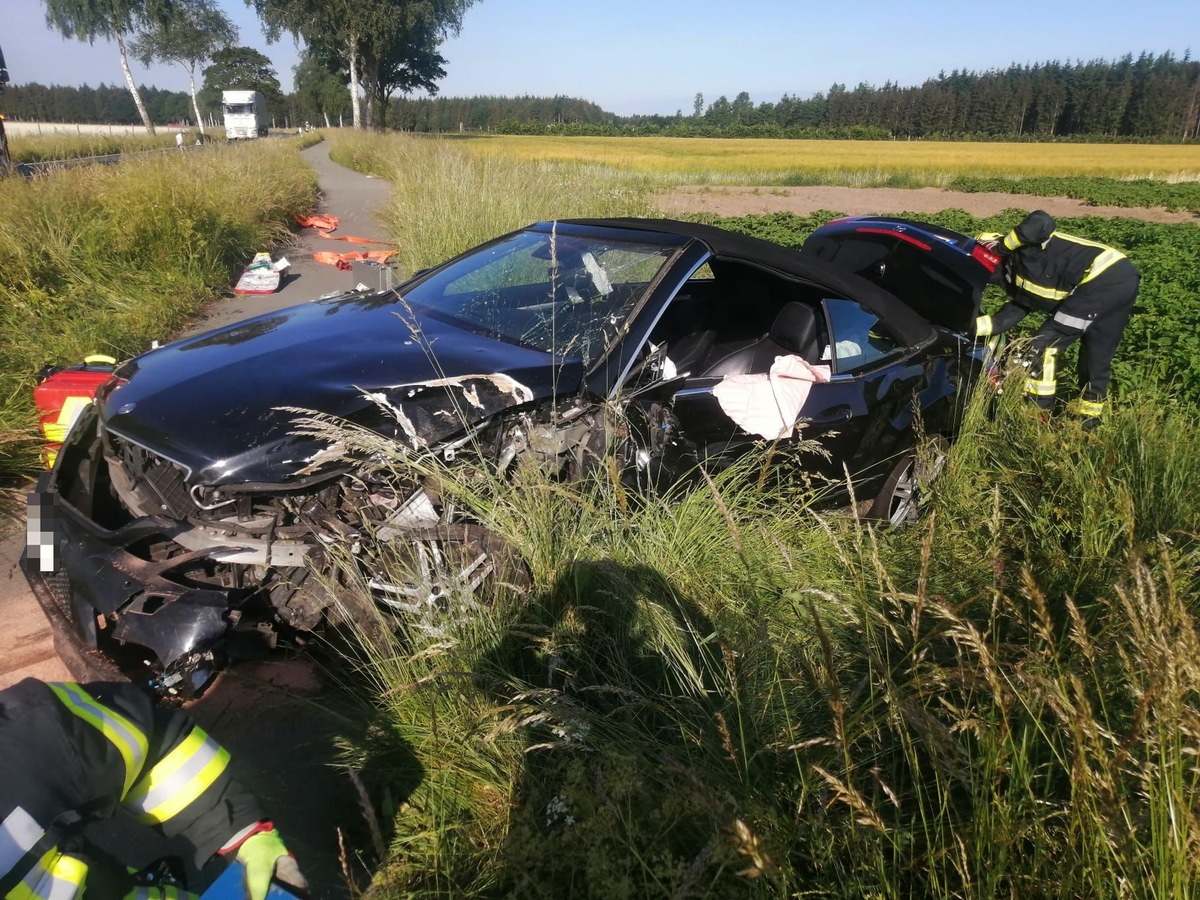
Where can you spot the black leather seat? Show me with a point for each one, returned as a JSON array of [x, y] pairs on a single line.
[[690, 350], [793, 333]]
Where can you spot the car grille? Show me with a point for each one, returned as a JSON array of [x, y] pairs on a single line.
[[163, 478]]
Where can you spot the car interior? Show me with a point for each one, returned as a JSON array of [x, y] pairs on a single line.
[[735, 319]]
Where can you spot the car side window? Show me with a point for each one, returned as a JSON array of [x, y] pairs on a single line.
[[858, 337]]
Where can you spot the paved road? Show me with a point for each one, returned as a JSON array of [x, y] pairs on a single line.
[[273, 716], [354, 199]]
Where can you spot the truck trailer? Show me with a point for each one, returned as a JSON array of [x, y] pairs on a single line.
[[245, 114]]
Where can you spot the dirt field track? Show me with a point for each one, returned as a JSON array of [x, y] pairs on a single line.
[[745, 201]]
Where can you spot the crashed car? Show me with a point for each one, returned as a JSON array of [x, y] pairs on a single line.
[[185, 509]]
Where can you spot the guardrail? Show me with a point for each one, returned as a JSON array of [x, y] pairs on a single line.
[[46, 166]]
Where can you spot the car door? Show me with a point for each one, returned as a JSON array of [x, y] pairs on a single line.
[[857, 416]]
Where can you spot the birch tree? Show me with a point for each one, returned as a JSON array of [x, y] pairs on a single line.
[[195, 30], [392, 41], [114, 20]]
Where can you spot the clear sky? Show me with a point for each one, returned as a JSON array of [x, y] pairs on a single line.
[[654, 56]]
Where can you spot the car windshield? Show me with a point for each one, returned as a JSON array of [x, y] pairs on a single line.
[[562, 294]]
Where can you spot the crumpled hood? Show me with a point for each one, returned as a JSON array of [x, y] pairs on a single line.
[[212, 403]]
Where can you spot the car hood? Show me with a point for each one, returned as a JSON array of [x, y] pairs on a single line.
[[222, 404]]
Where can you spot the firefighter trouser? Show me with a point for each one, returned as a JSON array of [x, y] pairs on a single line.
[[1095, 315]]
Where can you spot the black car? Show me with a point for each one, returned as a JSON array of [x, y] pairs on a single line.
[[185, 510]]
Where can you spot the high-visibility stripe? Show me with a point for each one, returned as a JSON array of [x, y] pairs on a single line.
[[1011, 241], [1089, 408], [57, 430], [983, 326], [19, 833], [1047, 385], [1102, 262], [160, 892], [125, 736], [1076, 322], [183, 775], [55, 877], [1032, 287]]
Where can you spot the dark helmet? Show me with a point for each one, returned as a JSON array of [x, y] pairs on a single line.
[[1036, 228]]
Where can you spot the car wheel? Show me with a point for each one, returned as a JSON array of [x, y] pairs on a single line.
[[453, 567], [898, 501]]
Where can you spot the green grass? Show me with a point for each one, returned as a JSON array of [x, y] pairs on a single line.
[[446, 199], [729, 692], [62, 145]]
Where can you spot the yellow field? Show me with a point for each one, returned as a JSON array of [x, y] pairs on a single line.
[[784, 161]]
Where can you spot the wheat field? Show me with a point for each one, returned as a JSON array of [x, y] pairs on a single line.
[[774, 161]]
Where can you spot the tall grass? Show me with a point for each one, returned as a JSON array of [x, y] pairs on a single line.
[[106, 259], [728, 692], [446, 199]]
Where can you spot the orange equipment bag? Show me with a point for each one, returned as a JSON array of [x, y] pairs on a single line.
[[63, 392]]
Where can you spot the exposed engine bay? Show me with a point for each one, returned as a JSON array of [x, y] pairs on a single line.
[[171, 580]]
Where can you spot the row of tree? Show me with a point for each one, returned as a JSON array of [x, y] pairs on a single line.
[[1148, 97], [373, 47]]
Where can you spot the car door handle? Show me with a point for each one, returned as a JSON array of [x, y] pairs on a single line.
[[833, 415]]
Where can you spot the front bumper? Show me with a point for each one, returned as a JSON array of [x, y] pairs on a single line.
[[105, 603]]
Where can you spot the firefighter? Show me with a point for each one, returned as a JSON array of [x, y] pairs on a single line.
[[71, 754], [1088, 290]]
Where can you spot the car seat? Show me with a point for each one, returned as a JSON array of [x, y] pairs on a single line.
[[794, 332], [690, 350]]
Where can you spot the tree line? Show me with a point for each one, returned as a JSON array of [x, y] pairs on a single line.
[[1150, 97]]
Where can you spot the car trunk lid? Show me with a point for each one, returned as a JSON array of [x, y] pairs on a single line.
[[939, 273]]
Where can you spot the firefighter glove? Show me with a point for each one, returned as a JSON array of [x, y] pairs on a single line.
[[265, 857]]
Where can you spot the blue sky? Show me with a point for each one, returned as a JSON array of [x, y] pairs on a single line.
[[653, 56]]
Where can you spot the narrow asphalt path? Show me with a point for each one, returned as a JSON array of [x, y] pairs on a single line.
[[355, 199], [276, 717]]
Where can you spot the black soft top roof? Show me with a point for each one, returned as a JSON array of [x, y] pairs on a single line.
[[912, 328]]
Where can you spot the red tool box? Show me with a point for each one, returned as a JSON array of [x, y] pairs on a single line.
[[63, 392]]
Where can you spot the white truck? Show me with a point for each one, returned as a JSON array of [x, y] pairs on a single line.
[[245, 114]]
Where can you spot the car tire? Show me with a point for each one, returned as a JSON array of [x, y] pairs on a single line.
[[451, 565], [898, 501]]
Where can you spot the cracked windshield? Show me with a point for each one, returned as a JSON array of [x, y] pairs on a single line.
[[565, 295]]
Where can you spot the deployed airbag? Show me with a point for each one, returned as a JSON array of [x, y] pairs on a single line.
[[769, 405]]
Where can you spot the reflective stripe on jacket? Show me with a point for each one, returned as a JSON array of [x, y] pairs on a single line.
[[1053, 270], [73, 753]]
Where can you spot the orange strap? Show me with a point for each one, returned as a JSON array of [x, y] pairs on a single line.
[[320, 222], [345, 260], [326, 223]]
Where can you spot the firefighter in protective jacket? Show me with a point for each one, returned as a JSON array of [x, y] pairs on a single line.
[[71, 754], [1088, 290]]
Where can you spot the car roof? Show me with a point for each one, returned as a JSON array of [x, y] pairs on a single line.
[[911, 327]]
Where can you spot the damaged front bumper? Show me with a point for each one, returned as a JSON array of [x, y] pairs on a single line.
[[116, 614]]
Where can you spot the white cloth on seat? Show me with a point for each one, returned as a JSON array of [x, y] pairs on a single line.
[[768, 405]]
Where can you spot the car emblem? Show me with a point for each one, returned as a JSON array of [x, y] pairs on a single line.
[[126, 408]]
